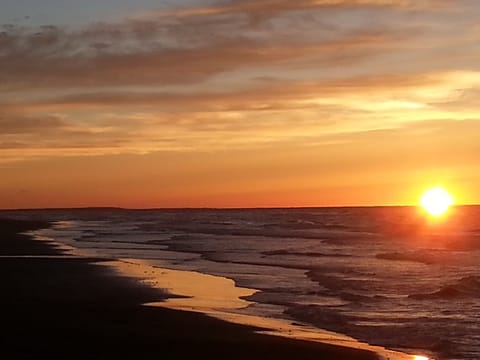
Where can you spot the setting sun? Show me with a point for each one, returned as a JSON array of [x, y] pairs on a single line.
[[436, 201]]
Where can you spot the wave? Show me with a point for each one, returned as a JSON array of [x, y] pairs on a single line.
[[320, 316], [308, 234], [467, 287], [464, 242], [352, 286], [304, 253], [415, 256]]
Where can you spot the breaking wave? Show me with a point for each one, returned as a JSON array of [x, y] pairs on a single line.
[[466, 287]]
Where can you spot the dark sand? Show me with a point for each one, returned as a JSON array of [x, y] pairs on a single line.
[[71, 308]]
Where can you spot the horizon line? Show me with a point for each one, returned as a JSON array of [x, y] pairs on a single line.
[[214, 208]]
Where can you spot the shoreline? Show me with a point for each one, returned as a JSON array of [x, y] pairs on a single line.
[[186, 291], [67, 306]]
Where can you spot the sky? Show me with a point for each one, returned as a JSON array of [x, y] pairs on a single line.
[[253, 103]]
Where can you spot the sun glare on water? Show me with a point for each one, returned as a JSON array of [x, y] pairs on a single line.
[[436, 201]]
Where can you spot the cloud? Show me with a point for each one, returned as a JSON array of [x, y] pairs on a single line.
[[14, 123], [270, 8], [190, 46], [263, 95], [271, 113], [40, 134], [181, 50], [234, 74]]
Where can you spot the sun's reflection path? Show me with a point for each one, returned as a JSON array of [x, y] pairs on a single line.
[[419, 357]]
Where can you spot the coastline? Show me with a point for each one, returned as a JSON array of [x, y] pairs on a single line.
[[67, 306], [220, 298]]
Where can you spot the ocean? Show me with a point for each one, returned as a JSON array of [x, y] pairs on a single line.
[[388, 276]]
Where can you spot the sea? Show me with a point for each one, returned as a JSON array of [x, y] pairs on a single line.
[[388, 276]]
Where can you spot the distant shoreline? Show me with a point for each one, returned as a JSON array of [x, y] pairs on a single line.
[[112, 208]]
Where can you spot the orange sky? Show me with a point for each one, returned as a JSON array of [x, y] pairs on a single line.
[[241, 104]]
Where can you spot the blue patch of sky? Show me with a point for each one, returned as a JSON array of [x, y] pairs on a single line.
[[77, 13]]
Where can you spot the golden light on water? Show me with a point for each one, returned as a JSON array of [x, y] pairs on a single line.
[[418, 357], [436, 202]]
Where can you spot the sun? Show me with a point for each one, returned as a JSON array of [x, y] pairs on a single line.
[[436, 201]]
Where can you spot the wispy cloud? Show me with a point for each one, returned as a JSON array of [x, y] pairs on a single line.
[[270, 8], [149, 53], [14, 123], [231, 74]]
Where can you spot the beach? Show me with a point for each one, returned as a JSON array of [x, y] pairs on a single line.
[[65, 306]]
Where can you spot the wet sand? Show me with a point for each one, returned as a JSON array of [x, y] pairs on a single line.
[[65, 306]]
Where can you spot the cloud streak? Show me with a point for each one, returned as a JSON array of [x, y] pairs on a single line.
[[231, 74], [271, 8], [12, 124], [58, 58]]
